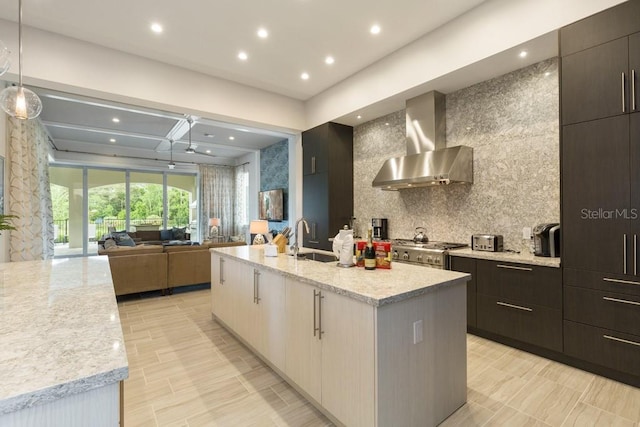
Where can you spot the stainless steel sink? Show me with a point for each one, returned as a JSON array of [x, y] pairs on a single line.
[[316, 256]]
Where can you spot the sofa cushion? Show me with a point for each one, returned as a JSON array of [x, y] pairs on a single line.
[[179, 233], [135, 250], [109, 243], [147, 235], [122, 238], [166, 235]]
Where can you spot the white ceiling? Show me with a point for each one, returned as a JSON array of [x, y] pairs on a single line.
[[206, 36]]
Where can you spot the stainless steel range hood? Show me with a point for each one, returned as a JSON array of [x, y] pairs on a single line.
[[428, 162]]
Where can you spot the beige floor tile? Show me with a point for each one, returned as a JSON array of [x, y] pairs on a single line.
[[573, 378], [520, 364], [470, 414], [496, 384], [545, 400], [509, 417], [611, 396], [476, 363], [260, 378], [486, 348], [483, 400], [138, 393], [255, 409], [584, 415], [300, 416], [288, 394], [216, 370], [141, 417]]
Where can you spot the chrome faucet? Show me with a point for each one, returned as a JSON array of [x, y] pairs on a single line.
[[294, 247]]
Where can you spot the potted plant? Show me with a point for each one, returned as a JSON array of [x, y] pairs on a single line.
[[4, 222]]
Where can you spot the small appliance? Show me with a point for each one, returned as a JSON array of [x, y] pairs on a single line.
[[546, 239], [380, 230], [487, 242]]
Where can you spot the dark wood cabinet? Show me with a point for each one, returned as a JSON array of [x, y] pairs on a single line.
[[467, 265], [327, 187]]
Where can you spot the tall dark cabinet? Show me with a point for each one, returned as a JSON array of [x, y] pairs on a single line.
[[600, 155], [327, 187]]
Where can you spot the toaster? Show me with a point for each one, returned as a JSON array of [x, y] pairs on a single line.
[[487, 242]]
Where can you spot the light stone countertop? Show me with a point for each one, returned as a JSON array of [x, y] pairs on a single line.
[[377, 287], [522, 258], [61, 332]]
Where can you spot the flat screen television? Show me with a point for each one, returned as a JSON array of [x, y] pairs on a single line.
[[271, 204]]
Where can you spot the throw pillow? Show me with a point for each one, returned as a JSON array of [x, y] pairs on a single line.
[[109, 243], [123, 239], [166, 235], [179, 233]]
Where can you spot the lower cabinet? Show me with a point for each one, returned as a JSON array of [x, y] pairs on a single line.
[[332, 337], [222, 292]]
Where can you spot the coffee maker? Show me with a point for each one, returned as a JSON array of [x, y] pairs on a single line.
[[380, 231]]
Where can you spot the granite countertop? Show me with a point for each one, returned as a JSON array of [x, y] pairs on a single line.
[[61, 332], [378, 287], [522, 258]]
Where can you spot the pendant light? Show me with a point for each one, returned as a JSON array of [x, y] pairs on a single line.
[[18, 101], [190, 149], [171, 164]]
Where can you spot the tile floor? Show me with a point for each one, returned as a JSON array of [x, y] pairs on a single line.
[[186, 370]]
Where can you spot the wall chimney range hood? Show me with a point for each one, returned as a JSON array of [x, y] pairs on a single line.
[[428, 162]]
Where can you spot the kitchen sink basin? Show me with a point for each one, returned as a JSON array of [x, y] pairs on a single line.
[[316, 256]]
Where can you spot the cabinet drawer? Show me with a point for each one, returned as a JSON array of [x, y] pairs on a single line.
[[619, 283], [608, 310], [528, 284], [541, 326], [603, 347]]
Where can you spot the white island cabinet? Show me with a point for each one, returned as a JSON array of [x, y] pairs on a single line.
[[381, 348]]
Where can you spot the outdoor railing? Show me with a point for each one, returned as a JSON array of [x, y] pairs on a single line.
[[99, 228]]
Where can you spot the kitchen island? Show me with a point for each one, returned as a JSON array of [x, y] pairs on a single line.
[[62, 356], [368, 348]]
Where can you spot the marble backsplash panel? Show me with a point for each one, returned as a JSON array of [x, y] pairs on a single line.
[[512, 123]]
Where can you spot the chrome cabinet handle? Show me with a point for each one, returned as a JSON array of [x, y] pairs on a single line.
[[624, 254], [624, 108], [315, 313], [626, 282], [635, 254], [518, 307], [221, 274], [320, 331], [256, 292], [633, 90], [622, 301], [609, 337], [512, 267], [313, 164]]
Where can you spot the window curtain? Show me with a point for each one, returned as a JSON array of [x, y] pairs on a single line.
[[241, 216], [217, 187], [29, 192]]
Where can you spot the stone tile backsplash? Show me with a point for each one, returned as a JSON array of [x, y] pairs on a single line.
[[512, 123]]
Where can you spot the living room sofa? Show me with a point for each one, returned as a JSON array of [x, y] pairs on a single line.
[[143, 267]]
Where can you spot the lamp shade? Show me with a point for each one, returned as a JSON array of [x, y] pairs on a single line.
[[214, 221], [259, 226]]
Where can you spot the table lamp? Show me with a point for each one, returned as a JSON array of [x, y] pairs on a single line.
[[213, 223], [259, 227]]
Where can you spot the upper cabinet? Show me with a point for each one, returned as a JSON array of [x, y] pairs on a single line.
[[327, 185], [600, 64]]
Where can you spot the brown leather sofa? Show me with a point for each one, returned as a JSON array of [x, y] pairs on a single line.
[[155, 267]]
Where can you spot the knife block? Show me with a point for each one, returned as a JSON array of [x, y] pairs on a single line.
[[281, 242]]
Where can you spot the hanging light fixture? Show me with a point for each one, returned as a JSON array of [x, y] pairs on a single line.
[[5, 60], [171, 164], [18, 101], [190, 149]]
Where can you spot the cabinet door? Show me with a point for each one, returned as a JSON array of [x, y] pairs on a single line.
[[303, 361], [315, 150], [315, 208], [216, 285], [468, 265], [245, 312], [634, 213], [270, 304], [595, 194], [634, 70], [221, 289], [594, 82], [348, 367]]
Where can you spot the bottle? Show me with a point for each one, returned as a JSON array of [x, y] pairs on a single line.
[[369, 253]]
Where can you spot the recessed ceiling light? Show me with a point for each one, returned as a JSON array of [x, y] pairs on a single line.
[[359, 117], [523, 54], [243, 56], [263, 33], [375, 29], [329, 60], [115, 120], [386, 124], [156, 28], [304, 76], [547, 74], [208, 151], [232, 138], [112, 140]]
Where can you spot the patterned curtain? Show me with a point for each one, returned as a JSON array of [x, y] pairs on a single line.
[[29, 192], [217, 187], [241, 216]]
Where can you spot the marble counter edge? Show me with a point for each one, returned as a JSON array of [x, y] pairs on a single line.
[[507, 257], [376, 302], [59, 391]]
